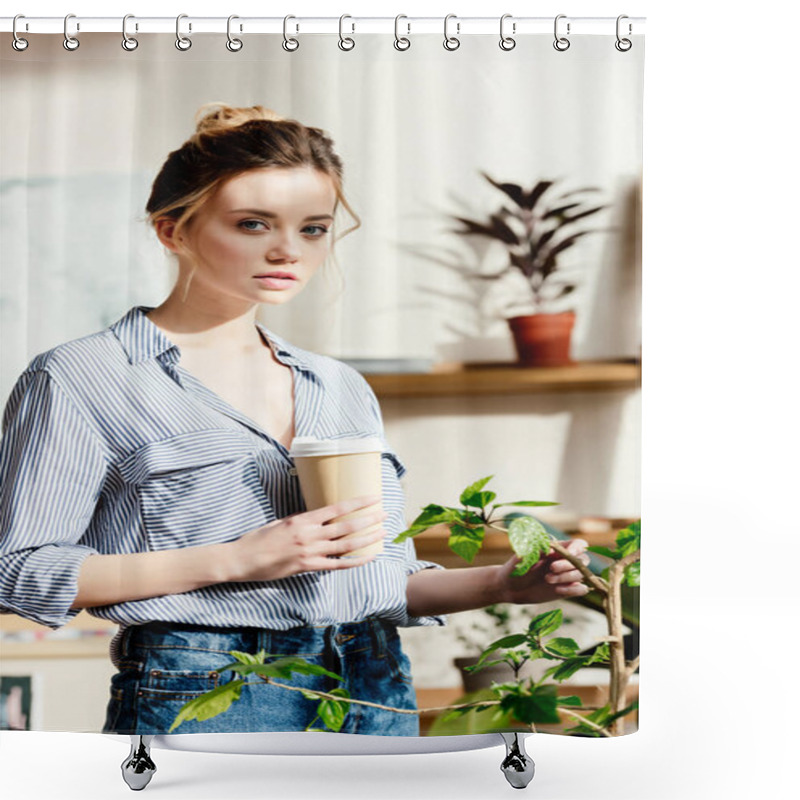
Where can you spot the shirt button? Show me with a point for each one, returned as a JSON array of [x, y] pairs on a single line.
[[293, 470]]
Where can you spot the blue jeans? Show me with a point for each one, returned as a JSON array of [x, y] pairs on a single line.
[[163, 665]]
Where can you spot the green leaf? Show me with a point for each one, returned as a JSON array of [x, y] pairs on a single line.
[[539, 707], [529, 540], [333, 712], [431, 515], [568, 668], [468, 495], [630, 539], [601, 655], [546, 623], [478, 667], [527, 503], [209, 704], [570, 700], [247, 658], [632, 574], [480, 499], [465, 542], [512, 640], [562, 647], [603, 551], [282, 668]]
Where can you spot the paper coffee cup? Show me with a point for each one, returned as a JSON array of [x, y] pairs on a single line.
[[331, 470]]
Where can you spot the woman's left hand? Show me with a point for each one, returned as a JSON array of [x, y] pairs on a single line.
[[551, 578]]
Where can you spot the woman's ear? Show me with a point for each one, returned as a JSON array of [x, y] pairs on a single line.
[[165, 230]]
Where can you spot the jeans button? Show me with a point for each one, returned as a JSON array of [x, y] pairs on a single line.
[[340, 638]]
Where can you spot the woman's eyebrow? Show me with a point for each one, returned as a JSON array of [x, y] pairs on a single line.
[[261, 213]]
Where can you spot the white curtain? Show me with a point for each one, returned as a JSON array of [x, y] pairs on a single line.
[[84, 134]]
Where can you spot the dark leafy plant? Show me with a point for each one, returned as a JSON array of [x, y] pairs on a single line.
[[536, 230]]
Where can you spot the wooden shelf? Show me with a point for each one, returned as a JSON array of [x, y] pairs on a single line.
[[451, 380]]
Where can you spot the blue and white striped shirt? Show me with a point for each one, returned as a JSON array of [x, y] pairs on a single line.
[[109, 446]]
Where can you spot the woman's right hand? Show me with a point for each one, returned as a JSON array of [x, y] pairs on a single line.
[[302, 542]]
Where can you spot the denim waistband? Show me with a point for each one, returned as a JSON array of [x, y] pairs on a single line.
[[306, 640]]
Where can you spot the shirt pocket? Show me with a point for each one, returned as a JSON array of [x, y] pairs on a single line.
[[197, 488]]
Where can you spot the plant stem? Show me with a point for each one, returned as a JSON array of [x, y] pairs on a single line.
[[325, 695], [620, 674], [586, 722]]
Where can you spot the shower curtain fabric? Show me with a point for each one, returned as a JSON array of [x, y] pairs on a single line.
[[441, 152]]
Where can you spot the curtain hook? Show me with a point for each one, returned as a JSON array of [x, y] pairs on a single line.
[[128, 42], [507, 42], [451, 42], [70, 42], [18, 43], [234, 45], [623, 45], [401, 42], [182, 42], [561, 43], [345, 42], [289, 43]]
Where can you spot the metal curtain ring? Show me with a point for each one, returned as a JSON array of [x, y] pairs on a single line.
[[623, 45], [234, 45], [506, 42], [451, 42], [18, 43], [128, 42], [561, 43], [70, 42], [289, 43], [182, 42], [401, 42], [345, 42]]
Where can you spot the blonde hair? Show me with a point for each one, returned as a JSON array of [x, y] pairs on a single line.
[[231, 140]]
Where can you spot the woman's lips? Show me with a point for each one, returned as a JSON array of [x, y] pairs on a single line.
[[276, 280]]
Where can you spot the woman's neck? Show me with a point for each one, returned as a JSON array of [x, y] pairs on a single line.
[[207, 326]]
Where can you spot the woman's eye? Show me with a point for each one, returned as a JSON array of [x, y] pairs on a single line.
[[322, 230], [248, 222]]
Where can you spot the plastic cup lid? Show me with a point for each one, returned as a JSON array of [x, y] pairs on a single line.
[[309, 446]]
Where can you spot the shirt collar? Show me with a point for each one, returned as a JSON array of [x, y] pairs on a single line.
[[142, 339]]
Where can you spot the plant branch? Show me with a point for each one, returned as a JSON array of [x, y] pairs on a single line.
[[632, 667], [586, 721], [338, 699], [595, 581]]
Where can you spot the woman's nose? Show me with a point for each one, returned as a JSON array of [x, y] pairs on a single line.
[[284, 247]]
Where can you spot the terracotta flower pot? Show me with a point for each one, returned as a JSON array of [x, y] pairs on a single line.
[[543, 340]]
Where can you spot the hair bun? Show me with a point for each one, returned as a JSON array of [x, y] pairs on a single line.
[[212, 117]]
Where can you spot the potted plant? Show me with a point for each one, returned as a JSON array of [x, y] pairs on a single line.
[[538, 228], [518, 702]]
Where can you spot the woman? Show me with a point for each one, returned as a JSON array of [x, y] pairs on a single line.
[[146, 474]]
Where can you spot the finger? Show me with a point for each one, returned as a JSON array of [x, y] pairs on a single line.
[[564, 577], [333, 530], [561, 566], [572, 590], [320, 516], [340, 546], [342, 563]]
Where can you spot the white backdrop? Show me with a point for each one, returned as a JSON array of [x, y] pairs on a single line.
[[720, 438]]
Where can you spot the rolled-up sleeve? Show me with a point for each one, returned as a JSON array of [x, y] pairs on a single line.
[[52, 469], [394, 505]]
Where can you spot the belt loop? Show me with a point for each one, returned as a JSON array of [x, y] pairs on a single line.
[[378, 638]]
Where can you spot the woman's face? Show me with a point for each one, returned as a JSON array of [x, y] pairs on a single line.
[[262, 235]]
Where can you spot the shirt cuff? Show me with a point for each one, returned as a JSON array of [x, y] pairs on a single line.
[[46, 583]]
